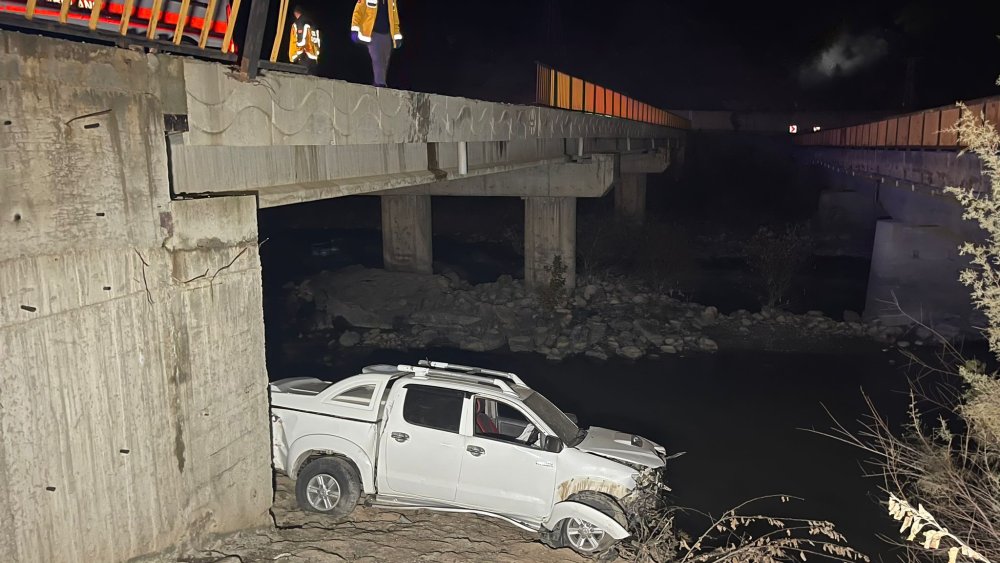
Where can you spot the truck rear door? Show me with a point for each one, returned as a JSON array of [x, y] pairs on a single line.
[[421, 445]]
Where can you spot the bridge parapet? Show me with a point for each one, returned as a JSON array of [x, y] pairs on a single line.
[[289, 109], [919, 150], [925, 129]]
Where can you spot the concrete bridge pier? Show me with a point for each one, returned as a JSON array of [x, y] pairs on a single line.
[[630, 198], [914, 273], [630, 189], [846, 216], [549, 231], [406, 233]]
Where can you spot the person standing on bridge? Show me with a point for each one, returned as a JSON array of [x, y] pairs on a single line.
[[303, 42], [376, 22]]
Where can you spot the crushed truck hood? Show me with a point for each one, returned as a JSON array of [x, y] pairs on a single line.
[[619, 446]]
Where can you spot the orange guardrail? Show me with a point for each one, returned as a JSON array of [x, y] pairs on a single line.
[[560, 90], [930, 128]]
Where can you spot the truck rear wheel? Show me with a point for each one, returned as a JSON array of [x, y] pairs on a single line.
[[328, 485]]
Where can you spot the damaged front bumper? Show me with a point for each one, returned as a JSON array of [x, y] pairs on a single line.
[[648, 496]]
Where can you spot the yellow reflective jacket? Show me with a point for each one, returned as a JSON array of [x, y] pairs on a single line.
[[364, 19], [303, 40]]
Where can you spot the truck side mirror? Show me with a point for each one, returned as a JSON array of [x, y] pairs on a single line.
[[553, 444], [572, 417]]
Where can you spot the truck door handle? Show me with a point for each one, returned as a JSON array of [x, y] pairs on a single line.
[[476, 451], [400, 437]]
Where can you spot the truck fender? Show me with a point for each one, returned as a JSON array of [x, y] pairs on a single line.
[[572, 509], [305, 446], [279, 444]]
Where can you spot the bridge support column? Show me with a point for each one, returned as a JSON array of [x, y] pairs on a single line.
[[406, 233], [630, 197], [846, 216], [549, 231], [918, 267]]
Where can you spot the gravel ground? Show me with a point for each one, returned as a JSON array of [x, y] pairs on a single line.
[[379, 535]]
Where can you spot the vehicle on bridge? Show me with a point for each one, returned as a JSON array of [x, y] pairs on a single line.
[[109, 17], [448, 437]]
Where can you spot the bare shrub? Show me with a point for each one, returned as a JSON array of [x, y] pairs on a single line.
[[954, 477], [983, 278], [552, 294], [776, 256], [658, 253], [737, 536]]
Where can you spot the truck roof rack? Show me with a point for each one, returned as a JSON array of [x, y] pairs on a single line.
[[473, 370], [425, 372]]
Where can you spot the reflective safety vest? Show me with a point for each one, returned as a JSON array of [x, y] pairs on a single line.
[[304, 40], [364, 19]]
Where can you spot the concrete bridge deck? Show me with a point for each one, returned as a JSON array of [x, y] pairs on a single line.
[[291, 139]]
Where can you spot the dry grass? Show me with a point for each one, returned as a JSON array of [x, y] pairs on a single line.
[[953, 477]]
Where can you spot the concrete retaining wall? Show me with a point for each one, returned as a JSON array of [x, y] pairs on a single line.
[[133, 405]]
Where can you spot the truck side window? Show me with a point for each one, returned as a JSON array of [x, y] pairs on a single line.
[[360, 396], [497, 420], [434, 407]]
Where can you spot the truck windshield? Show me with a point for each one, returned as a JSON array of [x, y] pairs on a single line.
[[556, 419]]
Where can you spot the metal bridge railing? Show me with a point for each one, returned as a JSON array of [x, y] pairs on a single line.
[[225, 30], [202, 27], [560, 90], [930, 128]]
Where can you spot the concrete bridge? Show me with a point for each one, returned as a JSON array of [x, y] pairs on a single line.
[[290, 139], [131, 322], [886, 199]]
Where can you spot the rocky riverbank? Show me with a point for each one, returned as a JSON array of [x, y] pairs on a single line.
[[601, 318]]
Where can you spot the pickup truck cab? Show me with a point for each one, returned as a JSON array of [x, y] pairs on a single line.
[[459, 438]]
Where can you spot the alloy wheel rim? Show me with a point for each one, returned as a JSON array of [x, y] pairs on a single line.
[[583, 535], [323, 492]]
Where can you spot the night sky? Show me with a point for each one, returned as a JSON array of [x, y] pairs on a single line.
[[690, 55]]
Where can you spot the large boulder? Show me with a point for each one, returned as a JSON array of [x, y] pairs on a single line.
[[631, 352], [486, 342], [369, 298], [442, 318], [521, 344], [650, 330]]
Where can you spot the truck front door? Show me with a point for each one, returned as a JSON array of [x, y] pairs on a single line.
[[504, 468], [421, 445]]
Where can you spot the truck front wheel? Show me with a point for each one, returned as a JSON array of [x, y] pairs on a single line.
[[329, 485], [586, 537]]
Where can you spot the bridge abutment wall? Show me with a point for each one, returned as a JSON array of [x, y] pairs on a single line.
[[131, 325], [891, 205]]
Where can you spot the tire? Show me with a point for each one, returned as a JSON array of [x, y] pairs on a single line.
[[328, 485], [585, 537]]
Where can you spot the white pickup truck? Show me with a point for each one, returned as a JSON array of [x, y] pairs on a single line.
[[459, 438]]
